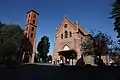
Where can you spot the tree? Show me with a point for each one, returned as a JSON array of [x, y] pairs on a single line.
[[36, 58], [88, 46], [116, 16], [115, 52], [43, 48], [13, 43], [49, 58], [73, 56], [97, 45], [102, 43]]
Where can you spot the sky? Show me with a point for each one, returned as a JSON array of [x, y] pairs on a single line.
[[91, 14]]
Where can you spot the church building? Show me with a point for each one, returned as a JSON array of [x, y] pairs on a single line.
[[69, 38]]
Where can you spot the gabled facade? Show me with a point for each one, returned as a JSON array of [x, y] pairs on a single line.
[[68, 37]]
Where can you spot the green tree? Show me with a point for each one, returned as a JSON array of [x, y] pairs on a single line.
[[13, 43], [88, 46], [49, 58], [97, 45], [102, 43], [73, 56], [43, 48], [116, 16], [115, 52], [36, 58]]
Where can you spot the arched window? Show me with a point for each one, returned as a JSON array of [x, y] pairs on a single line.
[[29, 15], [66, 34], [28, 20], [32, 28], [31, 35], [33, 21], [61, 36], [70, 34], [65, 26], [34, 16]]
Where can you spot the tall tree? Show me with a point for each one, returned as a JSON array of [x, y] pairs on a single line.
[[43, 48], [49, 58], [102, 43], [116, 16], [88, 46], [115, 52], [13, 43], [97, 45]]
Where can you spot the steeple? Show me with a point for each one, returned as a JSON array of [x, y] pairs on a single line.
[[32, 10], [76, 22], [77, 25], [30, 30], [66, 16]]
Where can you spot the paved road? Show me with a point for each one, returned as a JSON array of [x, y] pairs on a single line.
[[49, 64]]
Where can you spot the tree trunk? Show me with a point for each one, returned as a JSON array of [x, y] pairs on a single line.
[[100, 63]]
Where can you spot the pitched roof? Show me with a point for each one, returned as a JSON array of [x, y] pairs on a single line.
[[75, 26], [81, 28], [32, 10]]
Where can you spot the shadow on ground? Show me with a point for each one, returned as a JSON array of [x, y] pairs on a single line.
[[41, 72]]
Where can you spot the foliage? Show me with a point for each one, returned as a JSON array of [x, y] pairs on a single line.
[[115, 52], [43, 48], [73, 56], [97, 45], [13, 43], [88, 46], [102, 43], [49, 58], [36, 59], [116, 16]]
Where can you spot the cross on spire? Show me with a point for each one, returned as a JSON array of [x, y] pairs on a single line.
[[65, 14]]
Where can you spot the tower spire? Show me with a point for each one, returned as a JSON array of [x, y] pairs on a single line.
[[77, 24], [65, 15], [30, 31]]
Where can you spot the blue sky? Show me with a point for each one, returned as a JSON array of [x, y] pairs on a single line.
[[91, 14]]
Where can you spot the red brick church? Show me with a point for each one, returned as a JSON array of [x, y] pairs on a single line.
[[69, 38]]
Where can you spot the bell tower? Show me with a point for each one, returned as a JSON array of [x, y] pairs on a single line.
[[30, 31]]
